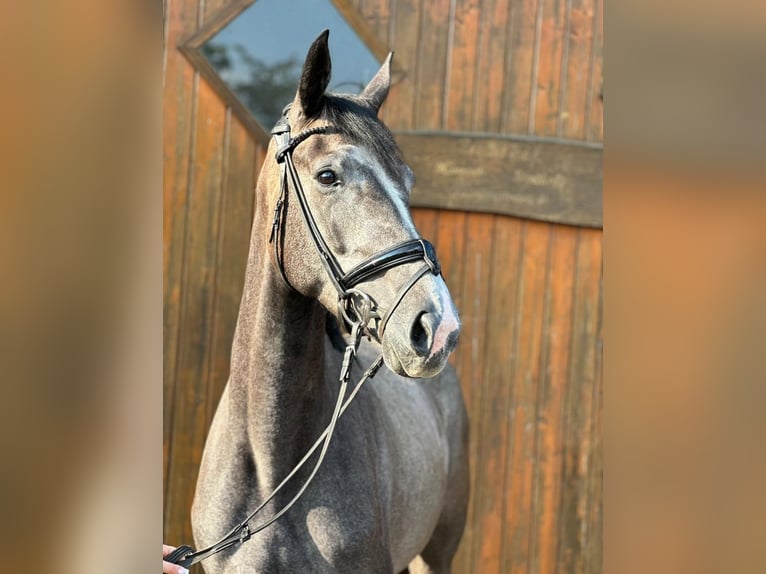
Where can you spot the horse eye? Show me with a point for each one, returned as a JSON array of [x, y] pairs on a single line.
[[327, 177]]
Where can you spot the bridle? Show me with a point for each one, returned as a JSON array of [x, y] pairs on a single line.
[[354, 304], [358, 309]]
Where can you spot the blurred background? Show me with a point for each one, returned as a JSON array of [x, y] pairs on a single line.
[[497, 106]]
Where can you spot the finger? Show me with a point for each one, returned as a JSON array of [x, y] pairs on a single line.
[[167, 549], [168, 568]]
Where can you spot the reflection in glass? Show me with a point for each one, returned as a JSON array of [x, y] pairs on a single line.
[[260, 53]]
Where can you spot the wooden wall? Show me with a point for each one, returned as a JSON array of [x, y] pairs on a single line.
[[529, 293], [210, 165]]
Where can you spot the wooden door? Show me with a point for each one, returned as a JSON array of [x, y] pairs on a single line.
[[498, 110], [525, 75]]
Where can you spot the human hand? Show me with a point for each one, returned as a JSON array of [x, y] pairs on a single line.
[[167, 567]]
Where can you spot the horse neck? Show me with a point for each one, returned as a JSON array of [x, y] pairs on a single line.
[[277, 386]]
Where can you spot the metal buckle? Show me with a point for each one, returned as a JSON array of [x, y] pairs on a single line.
[[357, 307]]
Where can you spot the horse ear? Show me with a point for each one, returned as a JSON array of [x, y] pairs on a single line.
[[376, 91], [315, 76]]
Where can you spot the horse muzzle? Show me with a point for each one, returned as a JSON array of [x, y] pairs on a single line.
[[419, 346]]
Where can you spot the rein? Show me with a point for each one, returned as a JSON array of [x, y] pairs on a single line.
[[357, 308], [185, 556]]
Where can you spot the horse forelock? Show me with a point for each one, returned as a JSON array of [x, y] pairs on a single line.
[[352, 118]]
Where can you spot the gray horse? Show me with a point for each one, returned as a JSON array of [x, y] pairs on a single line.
[[393, 488]]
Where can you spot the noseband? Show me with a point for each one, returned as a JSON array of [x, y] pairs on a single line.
[[357, 308], [354, 305]]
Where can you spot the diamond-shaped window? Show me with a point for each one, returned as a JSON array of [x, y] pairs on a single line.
[[259, 54]]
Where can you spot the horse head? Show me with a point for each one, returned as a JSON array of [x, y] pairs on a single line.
[[356, 188]]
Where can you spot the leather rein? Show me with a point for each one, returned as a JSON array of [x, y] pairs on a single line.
[[357, 308]]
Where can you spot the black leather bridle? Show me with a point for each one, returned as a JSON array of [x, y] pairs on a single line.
[[354, 304], [357, 308]]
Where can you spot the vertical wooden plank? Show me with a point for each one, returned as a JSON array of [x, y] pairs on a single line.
[[553, 384], [522, 416], [576, 77], [474, 288], [548, 73], [406, 23], [491, 427], [427, 222], [579, 408], [178, 128], [188, 430], [535, 63], [519, 77], [432, 55], [593, 465], [462, 73], [545, 320], [594, 550], [564, 67], [595, 110], [491, 66], [233, 245]]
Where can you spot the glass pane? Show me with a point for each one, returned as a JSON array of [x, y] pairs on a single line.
[[259, 55]]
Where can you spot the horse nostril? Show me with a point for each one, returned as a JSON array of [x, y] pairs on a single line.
[[422, 334]]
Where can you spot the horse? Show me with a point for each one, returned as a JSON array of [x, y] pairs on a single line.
[[392, 491]]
